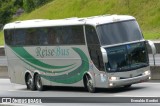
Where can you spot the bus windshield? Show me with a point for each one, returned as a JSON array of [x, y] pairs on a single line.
[[127, 57], [119, 32]]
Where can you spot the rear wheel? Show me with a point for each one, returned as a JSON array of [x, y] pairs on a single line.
[[89, 84], [38, 83], [29, 82]]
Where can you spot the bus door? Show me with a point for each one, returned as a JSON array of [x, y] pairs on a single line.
[[96, 56]]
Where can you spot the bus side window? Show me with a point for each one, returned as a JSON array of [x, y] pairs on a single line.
[[59, 36], [43, 35], [32, 37], [94, 47], [8, 36], [67, 35], [78, 35], [52, 36], [19, 37]]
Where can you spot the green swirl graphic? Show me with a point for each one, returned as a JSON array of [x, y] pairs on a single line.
[[74, 76]]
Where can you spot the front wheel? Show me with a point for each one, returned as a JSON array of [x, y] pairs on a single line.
[[89, 85], [38, 83]]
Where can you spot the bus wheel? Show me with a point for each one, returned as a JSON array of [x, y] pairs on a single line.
[[38, 83], [89, 84], [30, 83], [127, 86]]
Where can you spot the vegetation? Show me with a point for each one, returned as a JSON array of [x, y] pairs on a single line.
[[9, 7], [147, 12], [30, 5], [6, 11], [1, 38]]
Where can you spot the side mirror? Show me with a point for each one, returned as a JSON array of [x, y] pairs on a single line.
[[104, 55], [153, 49]]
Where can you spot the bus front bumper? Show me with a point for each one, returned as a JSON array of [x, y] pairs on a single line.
[[128, 81]]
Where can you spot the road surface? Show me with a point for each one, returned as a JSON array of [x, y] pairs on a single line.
[[146, 89]]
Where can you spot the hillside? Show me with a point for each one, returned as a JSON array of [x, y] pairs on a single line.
[[147, 12]]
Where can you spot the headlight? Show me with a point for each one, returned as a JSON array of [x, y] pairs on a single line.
[[113, 78], [146, 73]]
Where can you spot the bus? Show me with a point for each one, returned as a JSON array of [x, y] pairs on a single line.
[[105, 51]]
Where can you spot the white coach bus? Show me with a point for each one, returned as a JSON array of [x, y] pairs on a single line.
[[94, 52]]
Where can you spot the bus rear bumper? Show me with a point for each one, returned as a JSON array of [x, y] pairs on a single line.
[[128, 81]]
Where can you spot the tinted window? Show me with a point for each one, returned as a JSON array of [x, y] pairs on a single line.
[[66, 35], [42, 36], [8, 36], [127, 57], [119, 32], [19, 37], [51, 36], [91, 35]]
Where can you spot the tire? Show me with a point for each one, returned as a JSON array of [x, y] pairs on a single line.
[[127, 86], [30, 83], [38, 83], [27, 83], [89, 85]]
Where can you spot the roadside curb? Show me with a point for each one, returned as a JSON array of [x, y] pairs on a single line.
[[3, 72]]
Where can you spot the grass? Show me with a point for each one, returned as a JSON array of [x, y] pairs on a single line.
[[147, 12], [151, 35], [1, 38]]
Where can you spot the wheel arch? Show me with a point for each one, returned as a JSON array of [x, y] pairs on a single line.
[[28, 72], [88, 74]]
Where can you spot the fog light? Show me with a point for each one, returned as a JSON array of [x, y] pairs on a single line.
[[146, 73], [113, 78], [110, 84]]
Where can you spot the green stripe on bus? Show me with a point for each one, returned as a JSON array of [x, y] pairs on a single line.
[[47, 71], [74, 76]]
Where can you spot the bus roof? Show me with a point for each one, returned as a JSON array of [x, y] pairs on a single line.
[[94, 20]]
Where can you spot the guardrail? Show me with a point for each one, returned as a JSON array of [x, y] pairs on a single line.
[[2, 53], [155, 72], [157, 45], [3, 71]]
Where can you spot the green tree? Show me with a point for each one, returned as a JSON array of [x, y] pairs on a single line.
[[18, 3], [6, 11], [39, 3], [28, 5]]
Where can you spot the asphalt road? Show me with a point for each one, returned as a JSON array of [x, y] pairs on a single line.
[[146, 89], [3, 60]]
